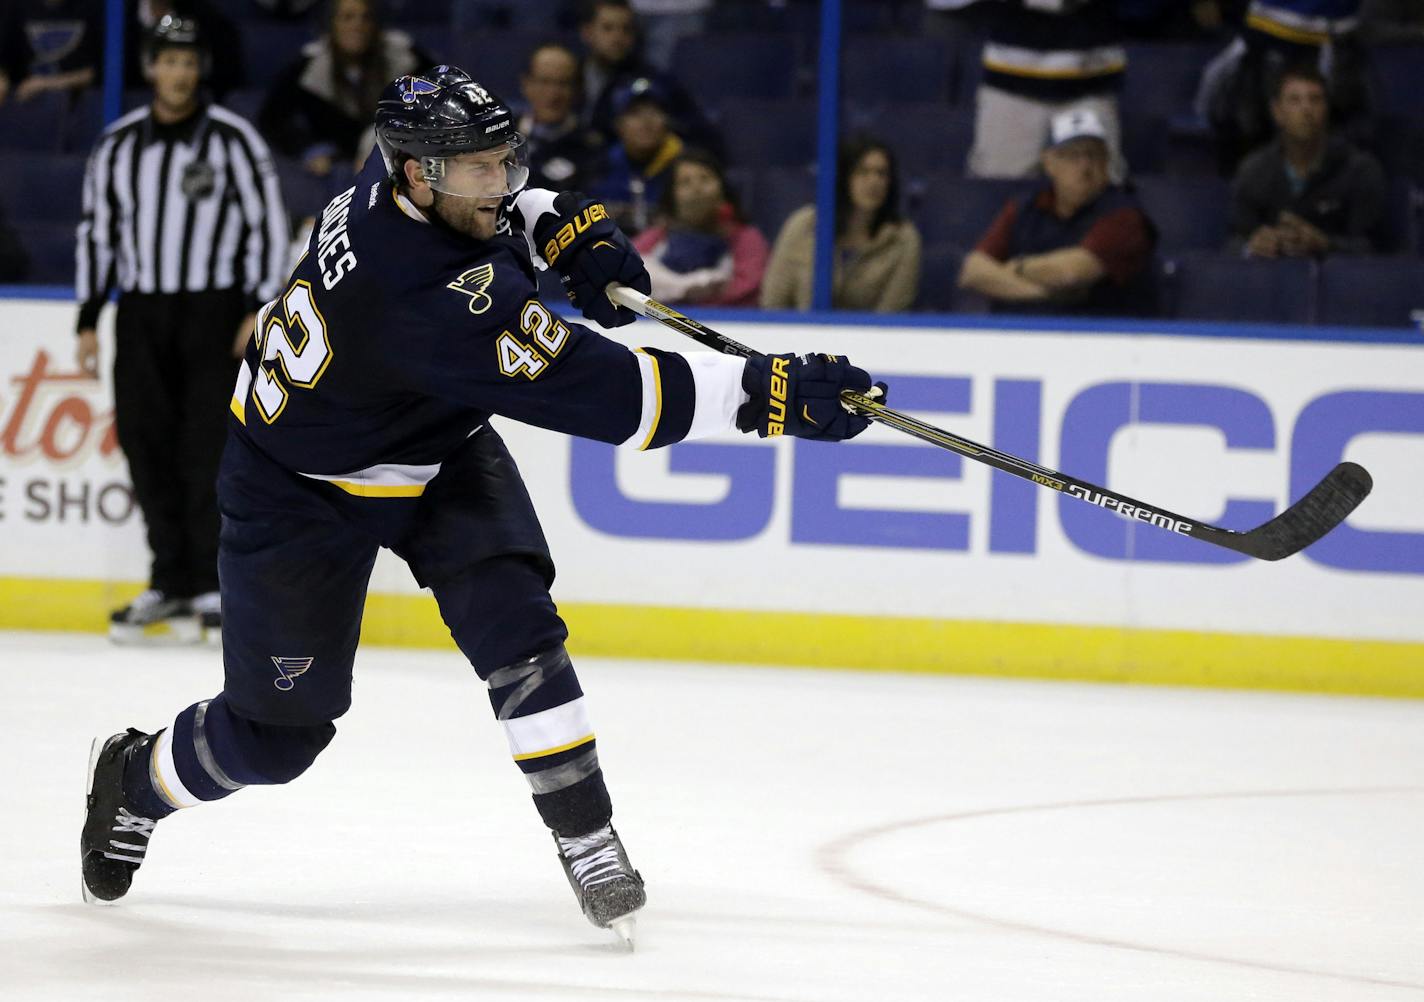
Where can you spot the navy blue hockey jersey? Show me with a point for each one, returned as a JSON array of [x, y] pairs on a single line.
[[396, 338]]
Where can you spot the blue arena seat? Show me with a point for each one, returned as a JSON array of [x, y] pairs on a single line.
[[1161, 81], [495, 59], [51, 250], [303, 194], [36, 125], [777, 193], [1371, 291], [897, 68], [1231, 288], [927, 137], [768, 133], [958, 210], [42, 188], [269, 47], [719, 66], [1398, 79], [939, 277], [1190, 213]]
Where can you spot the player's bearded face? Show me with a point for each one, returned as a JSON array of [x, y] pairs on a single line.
[[470, 188], [475, 217]]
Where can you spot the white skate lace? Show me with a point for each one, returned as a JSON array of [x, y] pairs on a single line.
[[148, 600], [130, 824], [209, 601], [593, 858]]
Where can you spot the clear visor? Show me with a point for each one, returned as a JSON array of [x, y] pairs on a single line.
[[490, 174]]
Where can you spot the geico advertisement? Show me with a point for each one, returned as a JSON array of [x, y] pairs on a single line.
[[1220, 430]]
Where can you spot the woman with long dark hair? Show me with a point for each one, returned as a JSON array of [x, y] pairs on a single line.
[[319, 110], [877, 253], [701, 250]]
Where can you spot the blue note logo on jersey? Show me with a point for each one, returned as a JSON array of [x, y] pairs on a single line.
[[413, 87], [288, 669]]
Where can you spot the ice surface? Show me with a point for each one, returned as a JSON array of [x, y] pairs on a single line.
[[805, 835]]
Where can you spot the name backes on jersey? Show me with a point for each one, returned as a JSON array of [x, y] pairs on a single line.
[[334, 256]]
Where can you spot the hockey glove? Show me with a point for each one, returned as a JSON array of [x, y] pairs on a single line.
[[588, 250], [800, 395]]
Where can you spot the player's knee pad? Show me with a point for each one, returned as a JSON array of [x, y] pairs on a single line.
[[541, 707]]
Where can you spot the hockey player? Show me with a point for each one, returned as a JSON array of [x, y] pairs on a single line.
[[361, 419]]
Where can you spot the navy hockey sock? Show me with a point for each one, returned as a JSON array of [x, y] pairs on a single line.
[[210, 752]]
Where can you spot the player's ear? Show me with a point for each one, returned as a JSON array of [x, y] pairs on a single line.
[[415, 182]]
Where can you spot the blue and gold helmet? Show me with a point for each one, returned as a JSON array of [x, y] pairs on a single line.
[[442, 113]]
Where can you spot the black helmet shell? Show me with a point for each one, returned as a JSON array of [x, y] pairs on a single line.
[[440, 113]]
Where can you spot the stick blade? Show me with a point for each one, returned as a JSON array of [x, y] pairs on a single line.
[[1323, 507]]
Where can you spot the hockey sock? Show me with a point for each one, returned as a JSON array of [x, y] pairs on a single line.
[[541, 706]]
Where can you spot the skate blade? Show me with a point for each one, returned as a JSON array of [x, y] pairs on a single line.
[[95, 747], [176, 632], [625, 929]]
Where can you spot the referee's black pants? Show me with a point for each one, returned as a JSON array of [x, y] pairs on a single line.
[[173, 379]]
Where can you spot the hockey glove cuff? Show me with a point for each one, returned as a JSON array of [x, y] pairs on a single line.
[[588, 250], [800, 395]]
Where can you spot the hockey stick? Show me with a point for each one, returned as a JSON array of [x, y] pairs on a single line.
[[1323, 507]]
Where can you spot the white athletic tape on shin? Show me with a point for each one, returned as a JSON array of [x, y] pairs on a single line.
[[165, 773], [548, 731]]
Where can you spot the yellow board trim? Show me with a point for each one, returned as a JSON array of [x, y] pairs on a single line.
[[864, 643], [360, 490], [1285, 32], [553, 751], [657, 398]]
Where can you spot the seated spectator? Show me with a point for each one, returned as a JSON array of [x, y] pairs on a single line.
[[226, 72], [319, 110], [702, 251], [49, 46], [877, 254], [1306, 194], [560, 150], [612, 60], [1237, 87], [637, 167], [1076, 245]]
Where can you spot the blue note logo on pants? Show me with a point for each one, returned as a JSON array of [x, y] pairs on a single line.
[[288, 669]]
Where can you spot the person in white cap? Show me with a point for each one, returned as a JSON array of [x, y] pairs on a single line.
[[1078, 244]]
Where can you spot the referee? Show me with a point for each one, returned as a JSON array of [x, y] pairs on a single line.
[[183, 214]]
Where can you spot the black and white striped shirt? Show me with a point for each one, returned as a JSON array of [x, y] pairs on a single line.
[[188, 207]]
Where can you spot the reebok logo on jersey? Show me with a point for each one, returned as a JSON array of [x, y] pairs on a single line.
[[473, 283], [288, 669]]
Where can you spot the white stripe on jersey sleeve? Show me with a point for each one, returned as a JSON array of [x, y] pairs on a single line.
[[652, 402], [718, 379]]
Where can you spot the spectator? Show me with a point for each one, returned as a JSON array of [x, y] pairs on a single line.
[[560, 150], [320, 108], [609, 30], [702, 251], [1306, 194], [224, 73], [877, 254], [1237, 87], [49, 46], [1039, 59], [637, 167], [1076, 245]]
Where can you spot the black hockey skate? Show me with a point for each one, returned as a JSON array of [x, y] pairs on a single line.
[[608, 889], [115, 839], [155, 618]]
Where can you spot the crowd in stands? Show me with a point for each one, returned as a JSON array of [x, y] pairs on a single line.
[[1211, 159]]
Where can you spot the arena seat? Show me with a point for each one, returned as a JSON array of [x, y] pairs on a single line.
[[1190, 213], [1232, 288], [1371, 291]]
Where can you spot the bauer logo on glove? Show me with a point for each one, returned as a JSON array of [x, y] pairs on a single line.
[[801, 396]]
